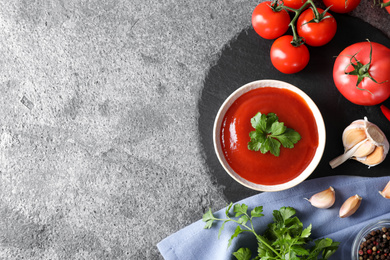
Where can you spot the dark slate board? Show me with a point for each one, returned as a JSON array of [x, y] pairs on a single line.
[[246, 59]]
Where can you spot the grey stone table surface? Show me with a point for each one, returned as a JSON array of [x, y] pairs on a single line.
[[99, 147]]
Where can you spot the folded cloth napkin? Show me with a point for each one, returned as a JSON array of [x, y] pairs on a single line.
[[196, 243]]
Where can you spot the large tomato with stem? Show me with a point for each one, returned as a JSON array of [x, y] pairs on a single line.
[[361, 73], [317, 27], [288, 58], [269, 20], [341, 6]]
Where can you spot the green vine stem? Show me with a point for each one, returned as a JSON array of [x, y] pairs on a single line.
[[381, 4], [385, 4], [297, 40]]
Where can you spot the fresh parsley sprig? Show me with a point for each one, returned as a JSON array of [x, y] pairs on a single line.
[[284, 239], [269, 134]]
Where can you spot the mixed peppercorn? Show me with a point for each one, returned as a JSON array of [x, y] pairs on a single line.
[[376, 245]]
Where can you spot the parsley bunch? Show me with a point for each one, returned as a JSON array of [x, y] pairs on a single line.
[[269, 134], [284, 239]]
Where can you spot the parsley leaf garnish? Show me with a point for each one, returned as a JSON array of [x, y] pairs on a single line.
[[284, 239], [243, 254], [270, 134]]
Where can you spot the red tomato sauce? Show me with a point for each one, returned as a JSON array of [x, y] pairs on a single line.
[[267, 169]]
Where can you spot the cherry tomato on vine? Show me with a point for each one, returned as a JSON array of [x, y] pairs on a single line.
[[356, 80], [341, 6], [316, 33], [270, 23], [286, 58], [296, 4]]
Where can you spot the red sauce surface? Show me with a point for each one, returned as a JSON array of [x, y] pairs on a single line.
[[267, 169]]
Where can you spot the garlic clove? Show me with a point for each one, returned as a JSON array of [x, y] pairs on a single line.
[[352, 136], [324, 199], [365, 149], [350, 206], [375, 158], [386, 191]]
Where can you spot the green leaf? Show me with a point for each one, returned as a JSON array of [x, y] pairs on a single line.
[[282, 217], [257, 212], [209, 218], [299, 250], [330, 250], [294, 257], [228, 209], [262, 249], [270, 134], [240, 209], [243, 219], [289, 138], [221, 228], [243, 254], [278, 128], [209, 224], [281, 242], [322, 243], [278, 218], [259, 122], [254, 135], [326, 245], [306, 232], [294, 226], [236, 233], [287, 212], [257, 139], [274, 146], [271, 118], [292, 135], [265, 147]]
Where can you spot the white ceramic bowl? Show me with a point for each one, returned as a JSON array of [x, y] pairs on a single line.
[[276, 84]]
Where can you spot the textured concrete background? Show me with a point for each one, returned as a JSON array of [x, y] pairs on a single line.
[[99, 149]]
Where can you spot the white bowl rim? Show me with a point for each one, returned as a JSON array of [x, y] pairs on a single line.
[[276, 84]]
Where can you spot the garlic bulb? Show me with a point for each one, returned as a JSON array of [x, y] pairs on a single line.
[[364, 142], [350, 206], [324, 199]]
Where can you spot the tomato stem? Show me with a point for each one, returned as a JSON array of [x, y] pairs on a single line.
[[381, 4], [385, 4], [276, 6], [297, 40], [360, 70], [316, 13]]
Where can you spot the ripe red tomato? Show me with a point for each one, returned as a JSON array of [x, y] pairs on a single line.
[[296, 4], [268, 23], [341, 6], [286, 58], [316, 34], [367, 93]]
